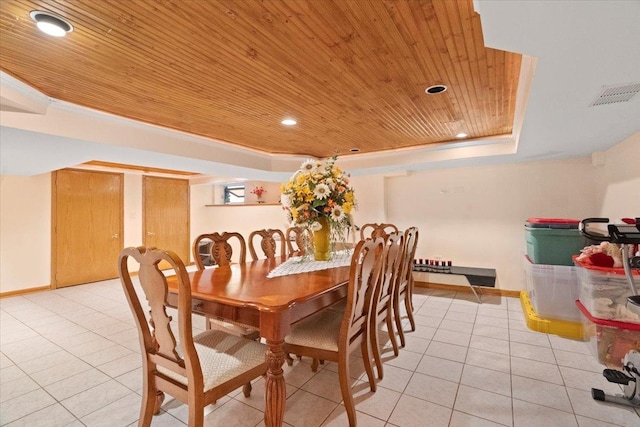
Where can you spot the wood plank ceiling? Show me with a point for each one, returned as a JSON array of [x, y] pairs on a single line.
[[353, 73]]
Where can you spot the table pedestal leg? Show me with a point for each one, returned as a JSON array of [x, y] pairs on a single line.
[[276, 391]]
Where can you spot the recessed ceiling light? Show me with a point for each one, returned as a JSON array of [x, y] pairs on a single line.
[[432, 90], [355, 150], [289, 122], [50, 24], [461, 135]]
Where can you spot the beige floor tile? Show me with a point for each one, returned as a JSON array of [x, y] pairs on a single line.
[[52, 416], [234, 413], [440, 368], [406, 360], [577, 378], [541, 393], [460, 419], [60, 372], [486, 379], [491, 332], [475, 402], [338, 418], [379, 404], [414, 412], [395, 378], [456, 326], [526, 414], [492, 321], [548, 372], [78, 383], [452, 337], [533, 352], [443, 350], [298, 413], [489, 344], [326, 383], [530, 337], [97, 397], [432, 389], [616, 415], [17, 387], [21, 406], [119, 413], [487, 359]]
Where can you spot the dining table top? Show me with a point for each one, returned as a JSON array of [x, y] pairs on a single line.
[[247, 284]]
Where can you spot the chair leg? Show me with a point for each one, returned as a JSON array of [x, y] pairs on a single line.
[[347, 396], [392, 333], [407, 304], [196, 415], [314, 365], [289, 359], [150, 405], [396, 315], [375, 348], [246, 389], [367, 356], [207, 324]]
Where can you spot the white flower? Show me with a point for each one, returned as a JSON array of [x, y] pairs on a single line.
[[316, 226], [337, 214], [285, 199], [321, 191], [331, 183], [309, 166]]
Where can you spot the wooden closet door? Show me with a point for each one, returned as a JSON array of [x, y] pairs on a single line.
[[87, 217], [166, 215]]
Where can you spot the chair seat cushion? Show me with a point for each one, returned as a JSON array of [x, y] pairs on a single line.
[[318, 331], [222, 357]]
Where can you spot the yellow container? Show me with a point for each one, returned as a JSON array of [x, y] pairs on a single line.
[[563, 328]]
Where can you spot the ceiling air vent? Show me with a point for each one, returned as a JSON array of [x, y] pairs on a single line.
[[615, 94]]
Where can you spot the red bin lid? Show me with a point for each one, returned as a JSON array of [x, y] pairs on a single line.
[[553, 221]]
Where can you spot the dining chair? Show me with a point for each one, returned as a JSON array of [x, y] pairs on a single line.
[[383, 297], [268, 239], [197, 370], [220, 248], [403, 293], [373, 230], [221, 253], [297, 241], [333, 335]]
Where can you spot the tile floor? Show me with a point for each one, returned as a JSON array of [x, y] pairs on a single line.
[[70, 357]]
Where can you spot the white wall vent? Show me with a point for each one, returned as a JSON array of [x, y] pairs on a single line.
[[617, 93]]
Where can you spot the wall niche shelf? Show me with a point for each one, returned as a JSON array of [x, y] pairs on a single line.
[[244, 204]]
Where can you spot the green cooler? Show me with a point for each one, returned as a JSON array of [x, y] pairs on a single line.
[[553, 241]]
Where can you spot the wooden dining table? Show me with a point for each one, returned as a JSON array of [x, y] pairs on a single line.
[[243, 293]]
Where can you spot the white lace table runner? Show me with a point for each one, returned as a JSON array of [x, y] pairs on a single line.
[[299, 264]]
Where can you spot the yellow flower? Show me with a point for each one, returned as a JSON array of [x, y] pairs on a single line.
[[347, 207], [348, 196]]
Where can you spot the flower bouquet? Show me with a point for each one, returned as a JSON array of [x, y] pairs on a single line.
[[318, 197]]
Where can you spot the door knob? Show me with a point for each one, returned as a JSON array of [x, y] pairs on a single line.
[[115, 236], [149, 233]]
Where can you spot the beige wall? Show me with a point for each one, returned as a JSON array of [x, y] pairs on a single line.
[[473, 216], [618, 180], [25, 232]]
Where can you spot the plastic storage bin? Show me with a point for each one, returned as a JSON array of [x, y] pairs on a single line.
[[553, 290], [609, 340], [553, 241], [563, 328], [604, 292]]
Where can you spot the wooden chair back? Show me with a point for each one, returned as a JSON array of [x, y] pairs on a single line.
[[382, 310], [297, 241], [171, 365], [404, 288], [268, 243], [363, 283], [220, 248], [375, 230]]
